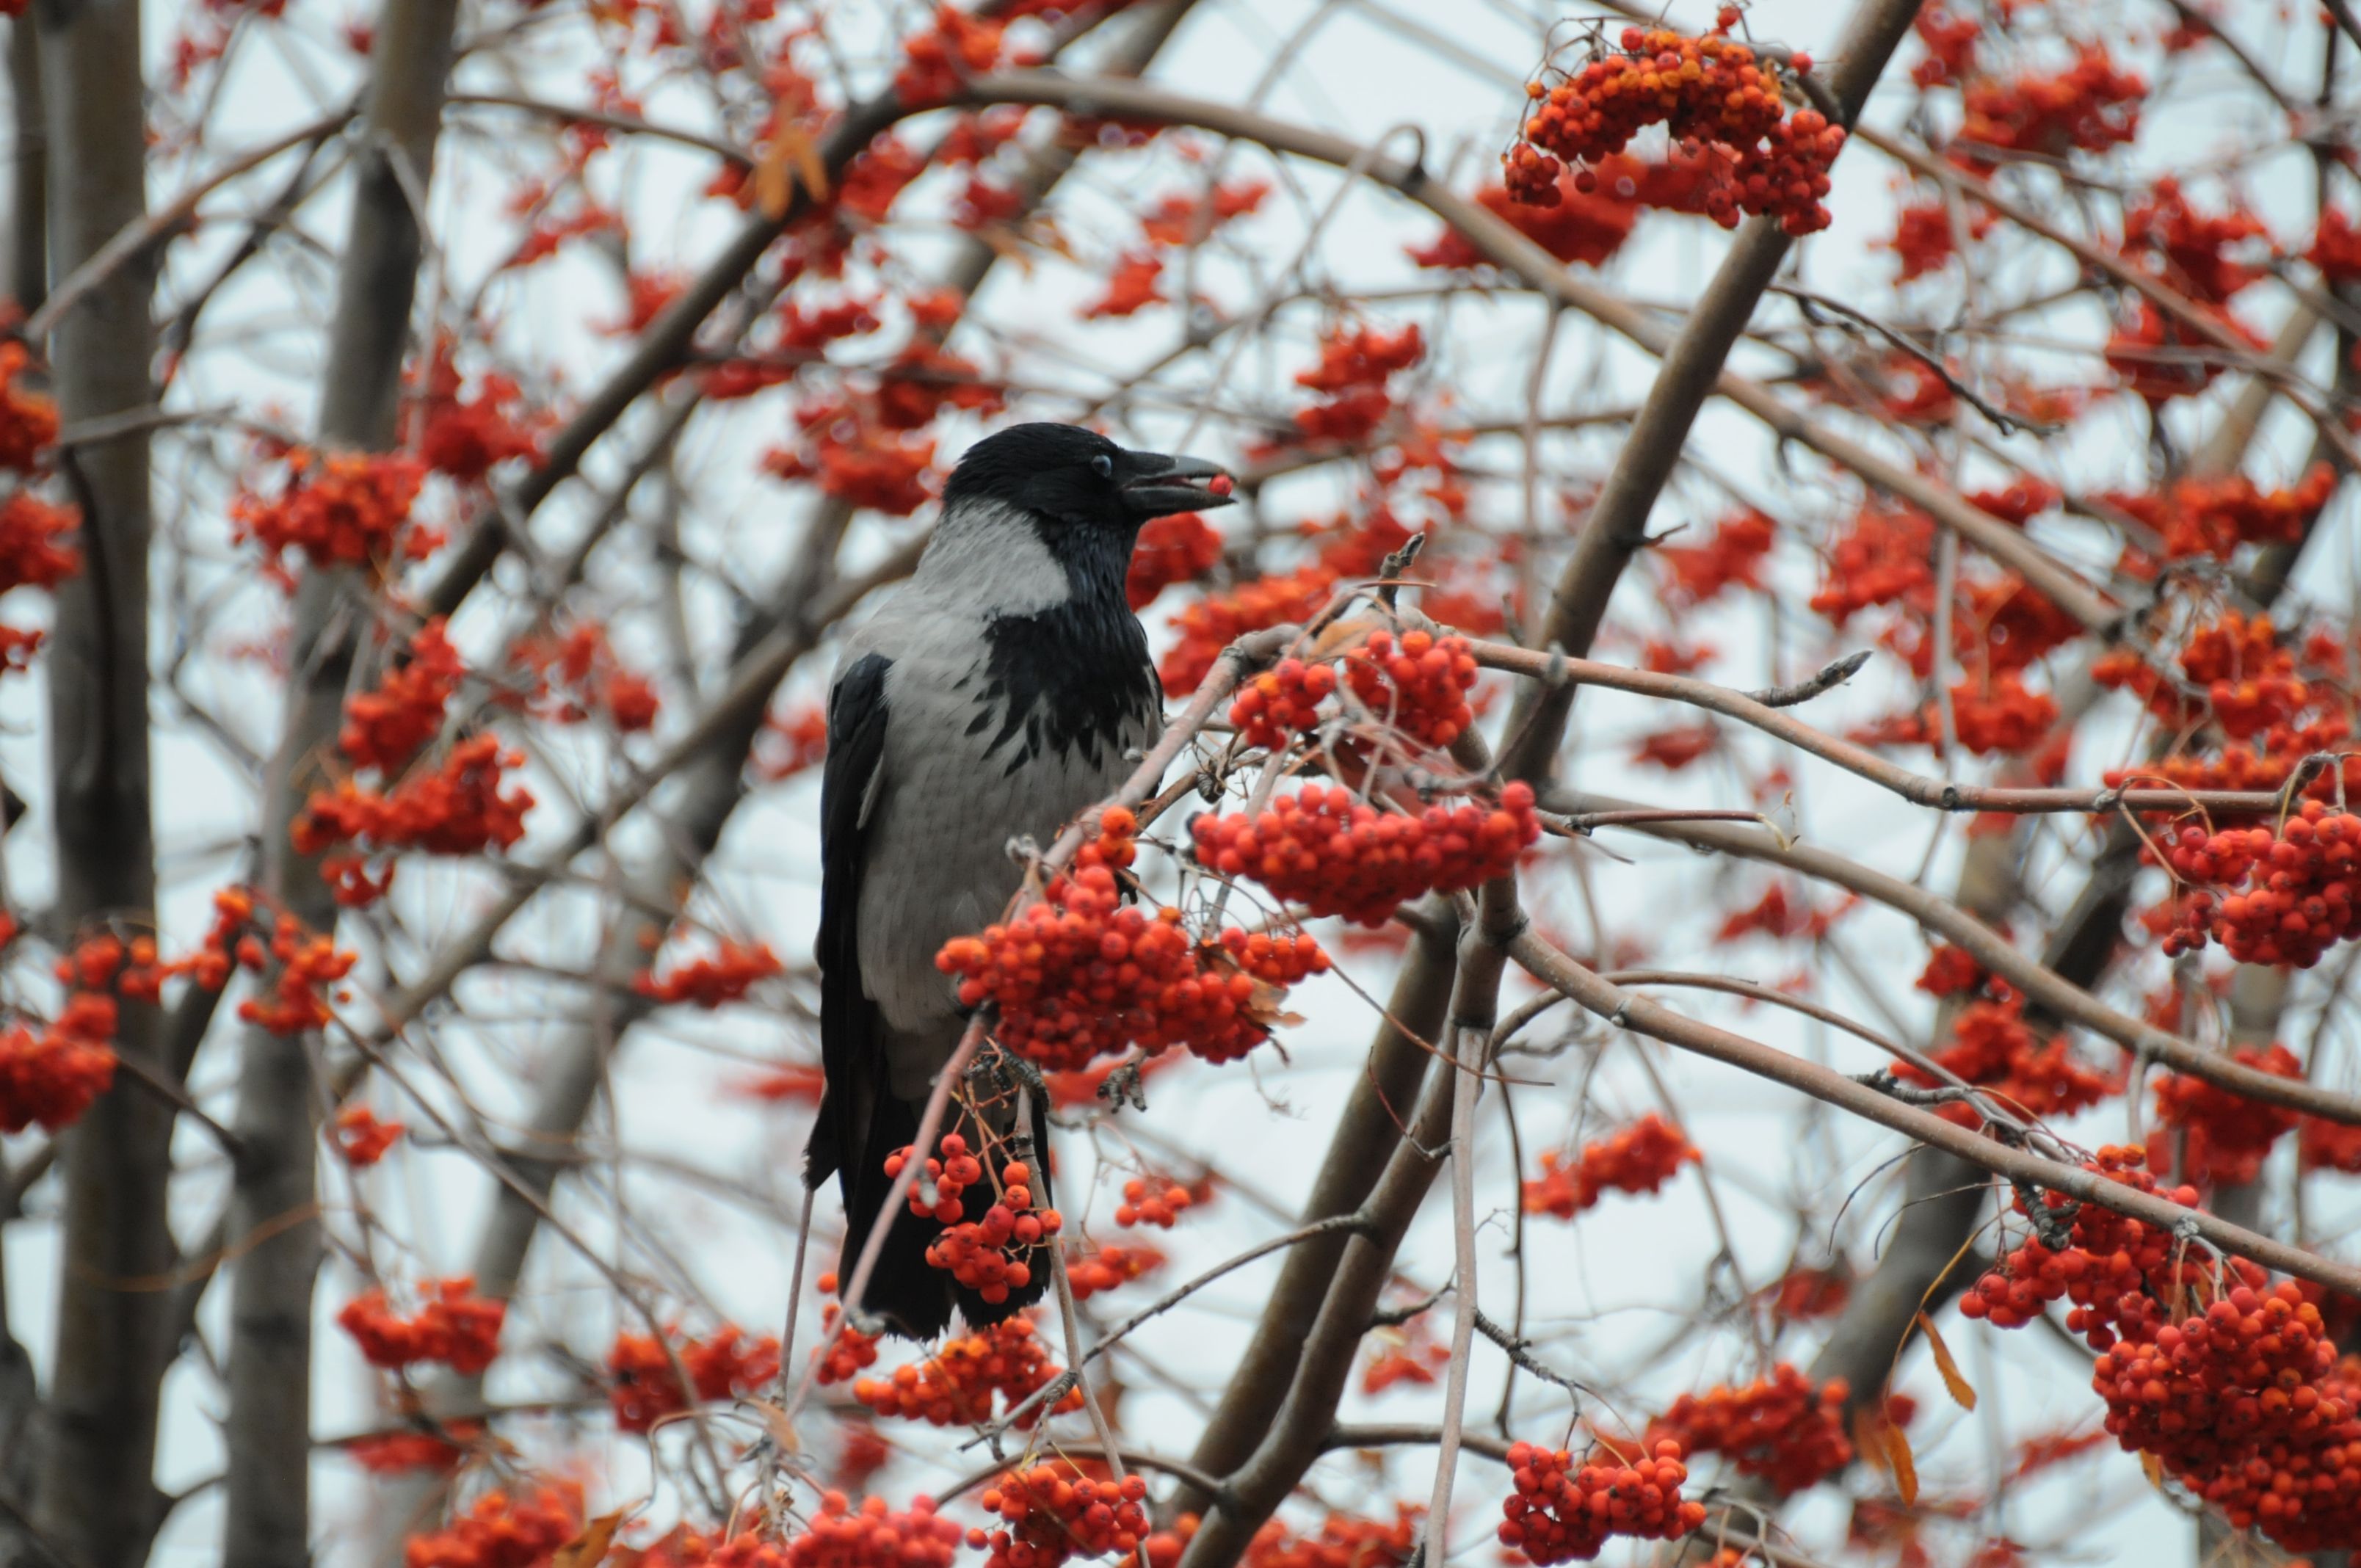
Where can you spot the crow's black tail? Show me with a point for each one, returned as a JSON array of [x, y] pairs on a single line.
[[910, 1294]]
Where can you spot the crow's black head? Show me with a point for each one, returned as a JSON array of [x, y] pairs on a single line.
[[1072, 476]]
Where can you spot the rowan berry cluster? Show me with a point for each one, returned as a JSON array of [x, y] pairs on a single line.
[[361, 1139], [1780, 1428], [1336, 854], [843, 1355], [1135, 281], [991, 1256], [309, 965], [1562, 1510], [1638, 1157], [1355, 363], [466, 437], [340, 509], [1152, 1203], [2212, 517], [384, 728], [2248, 679], [1110, 1266], [2232, 1382], [2090, 107], [29, 419], [394, 1453], [644, 1387], [580, 674], [955, 1386], [2282, 897], [1419, 686], [2228, 1135], [1885, 557], [454, 1326], [457, 808], [1731, 556], [34, 552], [872, 1535], [1179, 547], [1208, 625], [1281, 703], [857, 461], [2190, 248], [2337, 248], [1583, 227], [733, 970], [1078, 975], [1343, 1541], [502, 1531], [52, 1076], [1993, 1048], [1056, 1510], [935, 59], [1803, 1294], [1713, 98]]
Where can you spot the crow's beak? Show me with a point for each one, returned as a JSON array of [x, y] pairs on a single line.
[[1154, 483]]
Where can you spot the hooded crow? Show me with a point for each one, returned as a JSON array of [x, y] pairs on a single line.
[[1001, 689]]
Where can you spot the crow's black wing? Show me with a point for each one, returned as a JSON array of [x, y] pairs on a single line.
[[851, 1053]]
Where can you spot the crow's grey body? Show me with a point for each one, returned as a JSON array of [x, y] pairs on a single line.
[[957, 781], [1002, 689]]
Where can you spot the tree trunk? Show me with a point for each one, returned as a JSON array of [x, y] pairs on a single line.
[[97, 1499]]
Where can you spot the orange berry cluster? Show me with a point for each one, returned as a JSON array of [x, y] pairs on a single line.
[[1639, 1157], [1078, 975], [1110, 1266], [874, 1537], [935, 59], [53, 1076], [1356, 363], [467, 438], [709, 983], [458, 807], [2202, 516], [2228, 1135], [310, 966], [393, 1453], [34, 552], [2090, 105], [2294, 893], [2232, 1382], [1419, 687], [1993, 1048], [989, 1256], [386, 727], [1213, 622], [1326, 849], [1779, 1428], [2248, 677], [1055, 1511], [501, 1531], [1560, 1510], [842, 1357], [948, 1176], [1711, 96], [2337, 248], [362, 1139], [1145, 1204], [29, 419], [340, 509], [956, 1385], [1179, 547], [455, 1326], [644, 1387], [1282, 702], [1343, 1541], [580, 674]]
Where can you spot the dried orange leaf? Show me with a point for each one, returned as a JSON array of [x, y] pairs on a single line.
[[1961, 1389], [590, 1549], [1899, 1459]]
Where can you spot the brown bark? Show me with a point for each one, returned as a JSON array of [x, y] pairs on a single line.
[[96, 1498], [266, 1519]]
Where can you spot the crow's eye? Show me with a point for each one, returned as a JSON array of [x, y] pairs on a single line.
[[1103, 465]]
